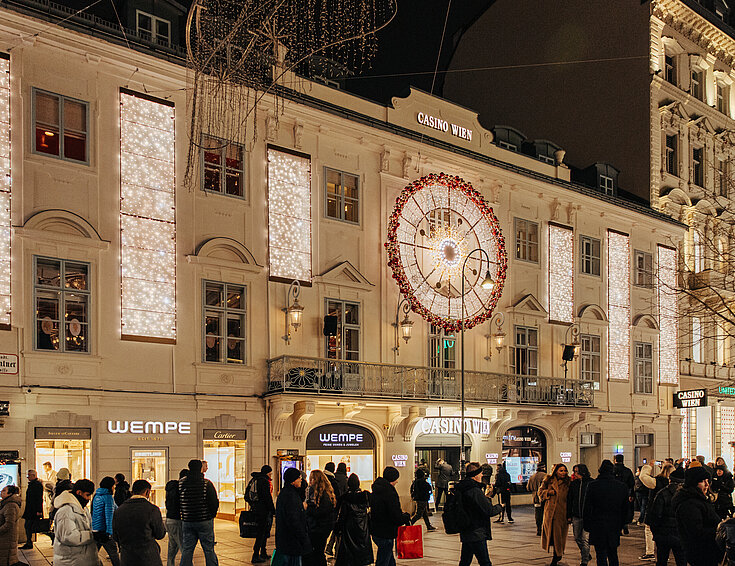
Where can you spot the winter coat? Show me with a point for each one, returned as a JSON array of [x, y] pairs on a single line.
[[292, 536], [355, 547], [197, 498], [60, 487], [645, 476], [137, 525], [626, 476], [555, 526], [576, 496], [479, 508], [725, 538], [34, 500], [173, 507], [332, 481], [722, 486], [696, 520], [385, 510], [534, 482], [122, 492], [103, 506], [263, 505], [605, 510], [320, 516], [502, 482], [420, 490], [9, 513], [660, 516], [446, 473], [341, 480], [73, 541]]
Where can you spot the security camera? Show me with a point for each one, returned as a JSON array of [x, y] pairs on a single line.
[[29, 390]]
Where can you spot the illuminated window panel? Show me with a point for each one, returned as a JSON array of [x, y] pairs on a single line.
[[618, 305], [561, 273], [727, 433], [4, 191], [668, 351], [147, 218], [685, 428], [289, 216]]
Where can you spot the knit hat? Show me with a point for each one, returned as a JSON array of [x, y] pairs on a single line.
[[63, 474], [390, 474], [694, 475], [606, 467], [695, 464], [677, 475], [420, 475], [266, 469], [291, 475]]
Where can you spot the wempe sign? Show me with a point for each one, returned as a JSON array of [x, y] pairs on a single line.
[[691, 398]]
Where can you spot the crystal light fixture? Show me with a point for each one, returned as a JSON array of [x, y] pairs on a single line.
[[4, 191], [147, 217], [561, 273], [668, 351], [618, 305]]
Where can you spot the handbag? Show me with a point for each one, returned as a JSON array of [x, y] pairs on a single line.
[[41, 525], [248, 524], [409, 543]]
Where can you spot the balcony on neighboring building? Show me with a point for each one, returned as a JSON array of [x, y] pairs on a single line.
[[329, 377]]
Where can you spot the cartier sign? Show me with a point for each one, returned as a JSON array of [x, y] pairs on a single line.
[[224, 434], [148, 427]]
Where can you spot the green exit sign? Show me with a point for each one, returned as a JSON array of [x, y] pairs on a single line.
[[726, 390]]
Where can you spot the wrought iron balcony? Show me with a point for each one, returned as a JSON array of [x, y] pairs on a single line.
[[322, 376]]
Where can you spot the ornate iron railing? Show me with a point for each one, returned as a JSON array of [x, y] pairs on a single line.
[[362, 379]]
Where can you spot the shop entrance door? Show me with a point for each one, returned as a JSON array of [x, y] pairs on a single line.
[[151, 464], [227, 470]]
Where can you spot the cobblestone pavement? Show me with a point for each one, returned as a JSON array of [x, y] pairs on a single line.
[[513, 544]]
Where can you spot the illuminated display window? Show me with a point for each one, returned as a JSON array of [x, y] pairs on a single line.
[[289, 216], [561, 273], [5, 193], [668, 350], [618, 300], [60, 126], [147, 218]]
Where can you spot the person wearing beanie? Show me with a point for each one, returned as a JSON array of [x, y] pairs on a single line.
[[63, 483], [292, 534], [696, 518], [660, 517], [722, 486], [198, 503], [421, 493], [386, 515], [259, 495], [605, 512], [354, 547]]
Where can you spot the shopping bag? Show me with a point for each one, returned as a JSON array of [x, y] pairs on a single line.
[[248, 524], [409, 543]]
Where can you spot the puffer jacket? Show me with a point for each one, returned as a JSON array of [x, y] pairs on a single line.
[[576, 496], [696, 520], [660, 515], [385, 510], [197, 498], [9, 513], [479, 509], [73, 541], [103, 506]]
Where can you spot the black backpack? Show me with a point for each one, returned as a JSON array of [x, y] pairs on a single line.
[[455, 517], [251, 491]]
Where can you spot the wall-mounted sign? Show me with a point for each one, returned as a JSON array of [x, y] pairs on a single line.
[[444, 126], [66, 433], [9, 364], [726, 390], [224, 434], [690, 398], [149, 427], [566, 457], [4, 408], [340, 437], [492, 458], [451, 425], [9, 455], [287, 452], [399, 460]]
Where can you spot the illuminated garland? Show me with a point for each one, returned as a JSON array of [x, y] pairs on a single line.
[[394, 258]]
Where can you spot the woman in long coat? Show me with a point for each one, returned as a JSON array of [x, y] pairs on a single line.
[[354, 546], [9, 513], [553, 491]]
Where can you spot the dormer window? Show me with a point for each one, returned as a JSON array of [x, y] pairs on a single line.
[[505, 145], [508, 138], [696, 88], [153, 29], [607, 184]]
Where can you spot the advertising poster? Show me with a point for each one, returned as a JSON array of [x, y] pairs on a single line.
[[9, 475]]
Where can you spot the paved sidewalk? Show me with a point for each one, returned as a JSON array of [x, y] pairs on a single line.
[[513, 544]]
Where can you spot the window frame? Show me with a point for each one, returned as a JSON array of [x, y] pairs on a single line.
[[225, 311], [721, 172], [342, 326], [670, 68], [154, 34], [606, 184], [646, 281], [532, 371], [62, 291], [342, 198], [61, 99], [697, 340], [642, 383], [526, 243], [698, 166], [441, 337], [584, 257], [223, 168], [698, 259], [722, 95], [507, 145], [588, 356], [672, 154], [696, 83]]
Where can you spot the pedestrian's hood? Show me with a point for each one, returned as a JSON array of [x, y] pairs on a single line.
[[68, 498]]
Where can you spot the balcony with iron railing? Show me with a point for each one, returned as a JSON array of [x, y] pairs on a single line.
[[329, 377]]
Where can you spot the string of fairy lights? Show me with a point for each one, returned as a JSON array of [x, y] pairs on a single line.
[[5, 188], [147, 217], [561, 273], [668, 358], [618, 309]]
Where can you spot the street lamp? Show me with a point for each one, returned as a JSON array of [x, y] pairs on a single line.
[[496, 338], [293, 310], [404, 328], [487, 283], [570, 350]]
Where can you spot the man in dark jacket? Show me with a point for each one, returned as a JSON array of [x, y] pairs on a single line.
[[329, 472], [660, 517], [605, 512], [445, 475], [696, 518], [122, 489], [386, 516], [576, 497], [198, 503], [625, 475], [136, 526], [421, 493], [261, 503], [173, 518], [340, 479], [292, 536], [34, 506], [502, 489], [479, 509]]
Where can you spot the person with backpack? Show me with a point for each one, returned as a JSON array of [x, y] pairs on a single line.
[[421, 493], [470, 511], [662, 520], [386, 516], [576, 496], [122, 489], [173, 518], [259, 495], [722, 486], [725, 538], [502, 489], [625, 475], [354, 547], [445, 475]]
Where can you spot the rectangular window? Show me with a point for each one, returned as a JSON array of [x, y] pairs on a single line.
[[698, 252], [643, 269], [224, 323], [61, 291], [345, 345], [507, 145], [723, 344], [723, 93], [60, 126], [670, 69], [154, 29], [722, 180], [342, 195], [525, 351], [697, 86], [607, 185], [223, 169], [526, 240], [589, 358], [643, 367], [697, 338], [589, 255], [442, 349], [672, 159], [698, 166]]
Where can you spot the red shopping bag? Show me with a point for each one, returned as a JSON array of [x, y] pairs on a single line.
[[409, 543]]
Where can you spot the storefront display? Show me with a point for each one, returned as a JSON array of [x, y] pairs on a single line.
[[524, 448], [225, 454], [9, 474], [64, 448], [348, 443], [152, 465]]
